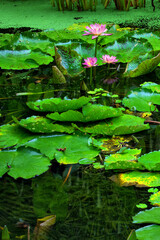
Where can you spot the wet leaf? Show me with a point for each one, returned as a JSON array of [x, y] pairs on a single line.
[[67, 149], [24, 162], [148, 233], [139, 179], [148, 216], [90, 112], [58, 104], [125, 124], [142, 100], [38, 124], [155, 199], [151, 161]]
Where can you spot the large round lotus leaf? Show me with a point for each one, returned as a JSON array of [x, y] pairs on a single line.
[[5, 39], [127, 50], [151, 232], [139, 179], [35, 41], [39, 124], [58, 104], [67, 149], [24, 162], [90, 112], [143, 68], [125, 160], [11, 135], [22, 59], [112, 38], [151, 161], [155, 199], [154, 87], [125, 124], [148, 216], [142, 100]]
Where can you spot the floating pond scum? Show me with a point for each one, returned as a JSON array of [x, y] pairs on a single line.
[[97, 132]]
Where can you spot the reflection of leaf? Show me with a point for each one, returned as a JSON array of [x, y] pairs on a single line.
[[90, 112], [141, 100], [139, 179], [122, 125], [76, 148], [58, 104], [25, 163]]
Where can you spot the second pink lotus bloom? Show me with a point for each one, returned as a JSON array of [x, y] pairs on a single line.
[[90, 62], [97, 30], [108, 59]]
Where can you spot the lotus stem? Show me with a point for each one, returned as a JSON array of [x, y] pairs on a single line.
[[91, 76]]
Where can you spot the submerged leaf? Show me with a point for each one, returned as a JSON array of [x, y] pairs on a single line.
[[57, 104], [139, 179]]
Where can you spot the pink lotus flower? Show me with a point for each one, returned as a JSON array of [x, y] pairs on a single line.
[[97, 30], [108, 59], [90, 62]]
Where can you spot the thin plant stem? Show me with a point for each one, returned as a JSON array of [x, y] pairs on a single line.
[[90, 75], [96, 47]]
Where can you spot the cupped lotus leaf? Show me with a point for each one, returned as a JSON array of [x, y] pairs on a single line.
[[90, 112], [155, 199], [38, 124], [139, 179], [151, 232], [68, 61], [151, 161], [142, 100], [126, 160], [148, 216], [22, 59], [125, 124], [154, 87], [66, 149], [58, 104], [126, 50], [11, 135], [144, 67], [35, 41], [24, 162], [58, 77]]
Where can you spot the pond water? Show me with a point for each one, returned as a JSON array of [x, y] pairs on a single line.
[[87, 204]]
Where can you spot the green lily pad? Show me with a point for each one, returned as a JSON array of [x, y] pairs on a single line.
[[22, 59], [155, 199], [142, 100], [151, 161], [24, 162], [139, 179], [126, 160], [39, 124], [90, 112], [154, 87], [148, 216], [58, 104], [67, 149], [125, 124], [11, 135], [151, 232], [143, 68]]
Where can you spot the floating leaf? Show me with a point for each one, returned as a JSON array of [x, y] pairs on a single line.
[[11, 135], [139, 179], [38, 124], [154, 87], [90, 112], [125, 160], [151, 161], [141, 100], [67, 149], [125, 124], [24, 162], [144, 67], [155, 199], [153, 190], [22, 59], [148, 216], [151, 232], [141, 205], [57, 104]]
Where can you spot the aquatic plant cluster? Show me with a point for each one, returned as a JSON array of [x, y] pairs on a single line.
[[81, 131]]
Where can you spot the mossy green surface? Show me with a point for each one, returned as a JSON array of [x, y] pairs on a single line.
[[39, 14]]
